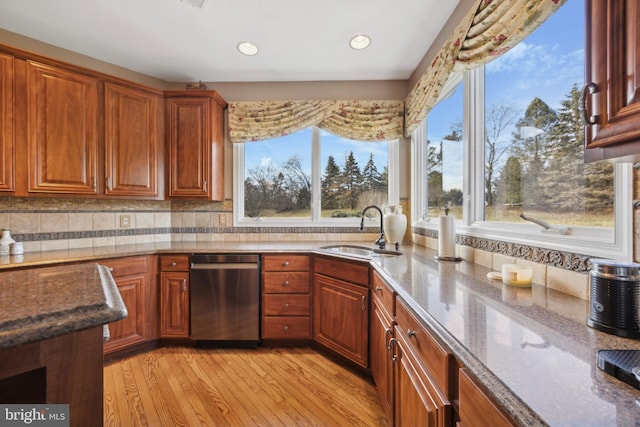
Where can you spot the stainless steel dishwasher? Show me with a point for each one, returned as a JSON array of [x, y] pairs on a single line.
[[225, 298]]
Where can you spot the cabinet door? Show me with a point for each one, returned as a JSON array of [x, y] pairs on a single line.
[[416, 401], [195, 148], [132, 329], [62, 123], [7, 141], [613, 65], [381, 330], [341, 318], [131, 141], [174, 304]]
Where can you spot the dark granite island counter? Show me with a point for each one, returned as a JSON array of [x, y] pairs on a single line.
[[51, 332]]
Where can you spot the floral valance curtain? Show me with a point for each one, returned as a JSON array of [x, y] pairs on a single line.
[[359, 120], [489, 30]]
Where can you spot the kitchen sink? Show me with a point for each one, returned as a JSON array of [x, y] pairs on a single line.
[[362, 251]]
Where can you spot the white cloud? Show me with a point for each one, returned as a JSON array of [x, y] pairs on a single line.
[[265, 161]]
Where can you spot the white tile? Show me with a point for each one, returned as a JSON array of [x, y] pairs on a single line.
[[125, 240], [104, 221], [499, 260], [483, 258], [54, 222], [144, 220], [54, 245], [81, 221], [25, 223], [539, 270], [162, 219], [568, 282], [80, 243]]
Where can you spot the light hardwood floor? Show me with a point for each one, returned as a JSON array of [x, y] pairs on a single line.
[[182, 386]]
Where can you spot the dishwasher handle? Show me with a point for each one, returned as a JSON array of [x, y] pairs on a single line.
[[224, 266]]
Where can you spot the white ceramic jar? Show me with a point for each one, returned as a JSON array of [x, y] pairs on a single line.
[[395, 224]]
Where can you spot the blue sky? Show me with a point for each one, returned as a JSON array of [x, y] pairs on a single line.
[[544, 65]]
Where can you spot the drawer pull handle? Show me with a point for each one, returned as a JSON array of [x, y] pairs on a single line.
[[379, 288], [364, 303], [184, 285], [173, 264], [388, 331], [285, 264], [286, 283], [392, 354], [286, 306], [411, 333], [286, 327]]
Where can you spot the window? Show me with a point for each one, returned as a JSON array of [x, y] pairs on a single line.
[[312, 177], [521, 142]]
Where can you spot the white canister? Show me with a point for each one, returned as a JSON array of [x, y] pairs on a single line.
[[395, 224], [17, 248]]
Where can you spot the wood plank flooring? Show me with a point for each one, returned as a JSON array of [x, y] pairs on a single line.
[[184, 386]]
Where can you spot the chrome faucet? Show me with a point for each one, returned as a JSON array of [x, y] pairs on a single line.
[[380, 242]]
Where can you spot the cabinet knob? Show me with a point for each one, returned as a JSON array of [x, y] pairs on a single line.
[[379, 288], [286, 283], [286, 306], [110, 269], [173, 264], [286, 327], [285, 264], [411, 333]]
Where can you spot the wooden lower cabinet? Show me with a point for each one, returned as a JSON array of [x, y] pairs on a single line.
[[341, 318], [418, 402], [174, 296], [286, 297], [476, 409], [380, 362], [174, 304], [131, 277]]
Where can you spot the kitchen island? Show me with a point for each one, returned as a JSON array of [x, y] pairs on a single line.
[[530, 349], [51, 333]]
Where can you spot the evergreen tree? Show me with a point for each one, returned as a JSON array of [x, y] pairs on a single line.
[[509, 185], [371, 178], [351, 182], [331, 185]]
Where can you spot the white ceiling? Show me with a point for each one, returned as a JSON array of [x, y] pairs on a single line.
[[298, 40]]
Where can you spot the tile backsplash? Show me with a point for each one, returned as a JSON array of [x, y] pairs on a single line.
[[52, 224]]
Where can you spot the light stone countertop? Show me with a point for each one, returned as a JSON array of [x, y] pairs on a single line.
[[530, 347]]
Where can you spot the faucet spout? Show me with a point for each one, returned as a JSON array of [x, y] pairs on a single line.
[[380, 241]]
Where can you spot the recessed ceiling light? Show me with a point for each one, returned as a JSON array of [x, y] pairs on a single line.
[[359, 42], [248, 48]]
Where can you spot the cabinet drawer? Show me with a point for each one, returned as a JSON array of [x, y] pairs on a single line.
[[475, 407], [278, 283], [174, 263], [287, 305], [277, 327], [434, 357], [121, 267], [347, 271], [285, 263], [383, 293]]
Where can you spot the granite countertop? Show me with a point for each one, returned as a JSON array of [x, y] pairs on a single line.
[[530, 347], [41, 303]]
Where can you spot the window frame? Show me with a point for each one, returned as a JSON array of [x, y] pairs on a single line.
[[603, 243], [315, 219]]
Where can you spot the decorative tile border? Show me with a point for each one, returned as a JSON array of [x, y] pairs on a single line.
[[560, 259], [69, 235]]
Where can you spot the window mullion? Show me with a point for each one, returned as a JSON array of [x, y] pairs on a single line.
[[316, 167], [474, 156], [419, 174]]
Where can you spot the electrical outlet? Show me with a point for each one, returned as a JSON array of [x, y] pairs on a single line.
[[222, 219], [125, 221]]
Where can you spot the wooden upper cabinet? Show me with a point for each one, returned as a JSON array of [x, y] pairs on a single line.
[[7, 137], [132, 141], [194, 122], [62, 130], [612, 93]]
